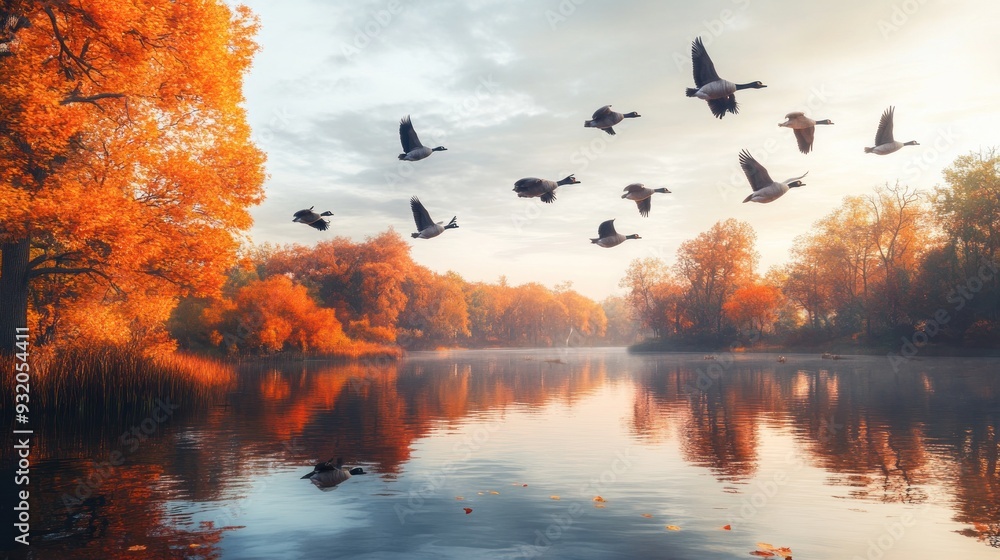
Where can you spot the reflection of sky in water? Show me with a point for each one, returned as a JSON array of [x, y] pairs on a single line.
[[834, 460], [577, 447]]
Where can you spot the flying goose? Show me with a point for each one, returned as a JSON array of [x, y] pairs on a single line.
[[531, 187], [604, 118], [413, 150], [804, 129], [884, 144], [765, 189], [642, 196], [310, 218], [718, 92], [329, 474], [426, 227], [608, 237]]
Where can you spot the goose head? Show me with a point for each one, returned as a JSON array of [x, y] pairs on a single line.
[[633, 236], [796, 183], [439, 149], [751, 85], [662, 190], [570, 180], [911, 143], [824, 121], [631, 115]]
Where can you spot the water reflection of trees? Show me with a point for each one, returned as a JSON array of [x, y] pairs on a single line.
[[880, 434]]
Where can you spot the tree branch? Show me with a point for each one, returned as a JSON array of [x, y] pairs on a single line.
[[93, 99]]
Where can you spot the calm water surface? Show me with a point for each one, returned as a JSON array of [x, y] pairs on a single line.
[[586, 453]]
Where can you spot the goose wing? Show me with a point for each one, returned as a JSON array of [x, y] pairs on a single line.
[[602, 112], [527, 184], [634, 187], [704, 69], [420, 215], [320, 224], [804, 136], [644, 206], [408, 136], [720, 106], [884, 134], [606, 229], [795, 115], [754, 171]]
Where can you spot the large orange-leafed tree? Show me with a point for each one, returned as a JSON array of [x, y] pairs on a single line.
[[125, 156]]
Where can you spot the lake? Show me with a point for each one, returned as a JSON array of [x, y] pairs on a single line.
[[575, 453]]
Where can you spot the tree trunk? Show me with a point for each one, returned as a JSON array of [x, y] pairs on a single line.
[[13, 293]]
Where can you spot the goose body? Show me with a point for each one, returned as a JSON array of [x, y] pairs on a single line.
[[413, 150], [328, 475], [426, 227], [642, 195], [884, 142], [804, 129], [764, 188], [312, 219], [531, 187], [604, 119], [719, 93], [608, 237]]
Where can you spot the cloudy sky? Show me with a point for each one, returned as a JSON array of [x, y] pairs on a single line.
[[506, 86]]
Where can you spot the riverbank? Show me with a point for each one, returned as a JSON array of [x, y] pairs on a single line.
[[837, 347]]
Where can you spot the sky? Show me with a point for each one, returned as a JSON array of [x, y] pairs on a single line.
[[506, 86]]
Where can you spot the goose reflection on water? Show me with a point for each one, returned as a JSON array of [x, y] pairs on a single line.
[[327, 475]]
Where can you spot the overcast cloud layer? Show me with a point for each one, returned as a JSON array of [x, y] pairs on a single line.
[[506, 86]]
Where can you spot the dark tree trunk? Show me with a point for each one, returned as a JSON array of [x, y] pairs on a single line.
[[13, 293]]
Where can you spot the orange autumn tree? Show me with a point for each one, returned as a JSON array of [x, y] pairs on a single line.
[[126, 166], [754, 307]]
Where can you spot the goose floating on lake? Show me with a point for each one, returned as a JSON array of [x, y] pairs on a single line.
[[604, 119], [426, 227], [531, 187], [884, 143], [328, 475], [764, 188], [413, 150], [608, 237], [312, 219], [642, 195], [719, 93], [804, 129]]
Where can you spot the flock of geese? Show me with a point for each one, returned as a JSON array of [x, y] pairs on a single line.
[[720, 95]]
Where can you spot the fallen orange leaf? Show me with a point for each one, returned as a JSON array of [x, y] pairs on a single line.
[[761, 553], [467, 510], [727, 527], [554, 497], [525, 485], [459, 498], [673, 528], [647, 515], [136, 547], [598, 499], [494, 492]]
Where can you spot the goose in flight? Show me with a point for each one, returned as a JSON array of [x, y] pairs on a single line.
[[531, 187], [604, 118], [413, 150], [642, 195], [608, 237], [426, 227], [764, 188], [804, 129], [884, 143], [312, 219], [719, 93]]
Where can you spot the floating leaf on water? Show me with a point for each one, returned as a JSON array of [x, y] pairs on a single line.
[[193, 545], [494, 492], [648, 515], [761, 553], [525, 485], [480, 493], [467, 510], [599, 499], [459, 498], [554, 497], [137, 547], [727, 527], [673, 528]]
